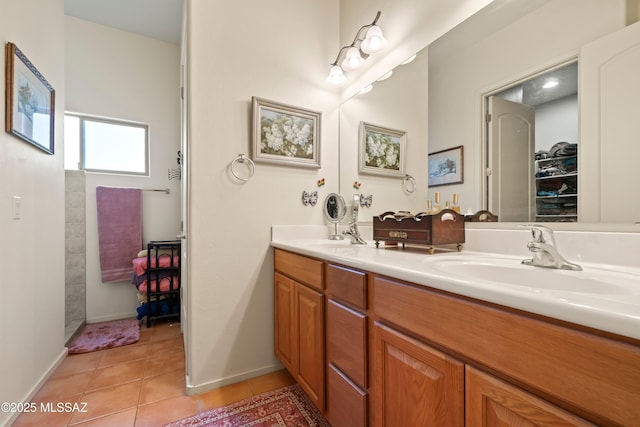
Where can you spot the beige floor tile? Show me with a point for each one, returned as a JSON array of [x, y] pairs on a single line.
[[164, 386], [109, 400], [116, 374], [166, 411], [50, 415], [123, 354], [160, 363], [170, 343], [56, 389], [224, 395], [125, 418], [76, 363]]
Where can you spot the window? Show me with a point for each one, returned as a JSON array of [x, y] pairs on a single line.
[[98, 144]]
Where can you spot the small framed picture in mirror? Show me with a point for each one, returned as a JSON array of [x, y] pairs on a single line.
[[382, 151], [446, 166]]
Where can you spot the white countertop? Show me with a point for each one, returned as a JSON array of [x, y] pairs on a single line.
[[617, 312]]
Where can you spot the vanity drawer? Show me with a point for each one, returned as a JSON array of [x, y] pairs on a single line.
[[347, 341], [347, 403], [300, 268], [347, 285]]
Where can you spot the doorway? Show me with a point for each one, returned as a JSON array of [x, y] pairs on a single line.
[[531, 142]]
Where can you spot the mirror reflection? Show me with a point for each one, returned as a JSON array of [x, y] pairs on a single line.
[[509, 42], [532, 131]]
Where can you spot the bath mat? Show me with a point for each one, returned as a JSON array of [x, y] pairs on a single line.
[[287, 406], [100, 336]]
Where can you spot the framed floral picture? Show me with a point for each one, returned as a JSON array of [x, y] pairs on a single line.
[[29, 101], [446, 167], [284, 134], [382, 151]]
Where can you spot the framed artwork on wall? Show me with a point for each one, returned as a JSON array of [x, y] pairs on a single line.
[[284, 134], [29, 101], [382, 151], [446, 167]]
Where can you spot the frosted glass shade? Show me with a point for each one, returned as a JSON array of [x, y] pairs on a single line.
[[374, 41]]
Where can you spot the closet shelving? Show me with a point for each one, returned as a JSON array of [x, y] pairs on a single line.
[[557, 189]]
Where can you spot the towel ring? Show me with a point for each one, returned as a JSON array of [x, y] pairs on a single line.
[[409, 184], [241, 159]]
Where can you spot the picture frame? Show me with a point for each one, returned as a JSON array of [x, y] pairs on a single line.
[[29, 101], [446, 167], [381, 151], [285, 135]]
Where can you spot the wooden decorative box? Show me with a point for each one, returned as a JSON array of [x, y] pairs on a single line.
[[445, 227]]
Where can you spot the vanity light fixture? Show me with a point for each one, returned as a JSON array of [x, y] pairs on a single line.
[[386, 75], [368, 40], [550, 83], [365, 89], [409, 59]]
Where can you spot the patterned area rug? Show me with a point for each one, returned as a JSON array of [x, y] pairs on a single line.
[[285, 407], [100, 336]]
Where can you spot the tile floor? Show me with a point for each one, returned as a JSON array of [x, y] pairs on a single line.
[[142, 384]]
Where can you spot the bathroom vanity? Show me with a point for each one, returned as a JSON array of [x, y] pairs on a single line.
[[390, 337]]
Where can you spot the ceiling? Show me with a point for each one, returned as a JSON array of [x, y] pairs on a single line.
[[158, 19]]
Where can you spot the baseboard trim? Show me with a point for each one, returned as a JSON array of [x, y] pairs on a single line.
[[38, 385], [192, 389], [110, 318]]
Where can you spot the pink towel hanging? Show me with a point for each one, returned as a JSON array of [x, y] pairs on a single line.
[[119, 231]]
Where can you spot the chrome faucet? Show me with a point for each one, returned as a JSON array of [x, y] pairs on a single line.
[[353, 232], [544, 250]]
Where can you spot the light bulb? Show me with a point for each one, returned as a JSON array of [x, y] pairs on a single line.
[[550, 83], [336, 76], [365, 89], [409, 59], [386, 75], [374, 41], [352, 59]]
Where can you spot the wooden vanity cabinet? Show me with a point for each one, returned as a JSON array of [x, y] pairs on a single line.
[[299, 321], [404, 354]]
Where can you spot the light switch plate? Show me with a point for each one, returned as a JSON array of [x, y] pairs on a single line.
[[16, 207]]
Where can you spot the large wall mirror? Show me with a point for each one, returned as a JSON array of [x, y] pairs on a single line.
[[509, 42]]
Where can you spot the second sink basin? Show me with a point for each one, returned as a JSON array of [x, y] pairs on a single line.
[[510, 271]]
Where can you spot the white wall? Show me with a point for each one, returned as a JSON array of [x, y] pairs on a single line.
[[547, 36], [32, 254], [123, 75], [278, 50], [557, 121]]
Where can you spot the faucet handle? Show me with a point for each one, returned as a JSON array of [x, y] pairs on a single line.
[[540, 233]]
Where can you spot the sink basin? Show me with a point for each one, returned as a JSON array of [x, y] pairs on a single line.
[[510, 272]]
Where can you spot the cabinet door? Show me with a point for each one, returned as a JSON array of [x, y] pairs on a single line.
[[310, 335], [414, 384], [493, 403], [285, 322]]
